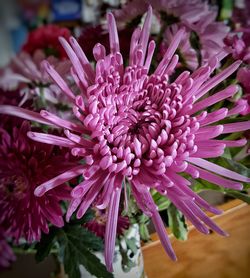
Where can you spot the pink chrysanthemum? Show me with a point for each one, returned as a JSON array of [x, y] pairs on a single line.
[[241, 14], [187, 11], [24, 164], [195, 15], [238, 46], [141, 128], [6, 254], [25, 73], [189, 55], [243, 76], [98, 224]]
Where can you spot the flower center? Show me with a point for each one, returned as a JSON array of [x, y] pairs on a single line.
[[139, 123], [15, 186]]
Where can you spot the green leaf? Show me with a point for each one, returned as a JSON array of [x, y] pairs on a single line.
[[199, 185], [226, 9], [227, 153], [89, 215], [161, 201], [177, 223], [44, 246], [87, 238], [75, 242], [234, 166], [239, 195]]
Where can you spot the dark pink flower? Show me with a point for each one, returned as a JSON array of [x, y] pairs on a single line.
[[25, 74], [185, 49], [186, 11], [243, 76], [144, 128], [198, 18], [239, 47], [24, 164], [98, 224], [241, 14], [6, 254]]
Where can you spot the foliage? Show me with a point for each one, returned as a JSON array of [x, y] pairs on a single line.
[[74, 245]]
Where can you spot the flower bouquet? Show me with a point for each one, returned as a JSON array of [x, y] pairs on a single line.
[[92, 147]]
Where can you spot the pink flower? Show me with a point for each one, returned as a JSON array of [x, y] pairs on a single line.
[[239, 47], [187, 11], [195, 15], [241, 14], [6, 254], [243, 76], [210, 33], [25, 73], [98, 224], [24, 164], [189, 55], [142, 128]]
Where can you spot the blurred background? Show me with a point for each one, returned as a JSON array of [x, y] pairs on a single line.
[[18, 17]]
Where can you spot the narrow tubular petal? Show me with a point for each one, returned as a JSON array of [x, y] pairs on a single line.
[[60, 122], [55, 219], [214, 117], [111, 227], [206, 219], [83, 59], [58, 80], [23, 113], [145, 33], [231, 143], [105, 195], [75, 61], [73, 205], [236, 127], [51, 139], [143, 198], [113, 34], [185, 208], [221, 55], [189, 192], [226, 93], [161, 231], [238, 108], [217, 179], [82, 188], [133, 43], [58, 180], [214, 81], [208, 132], [171, 66], [211, 143], [170, 52], [79, 140], [217, 169], [89, 198], [205, 152], [150, 53]]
